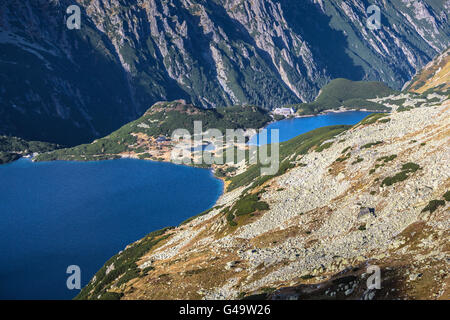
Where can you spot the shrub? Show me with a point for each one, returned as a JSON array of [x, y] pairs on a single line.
[[401, 176], [249, 204], [371, 118], [345, 150], [296, 146], [324, 146], [387, 158], [371, 144], [111, 296], [343, 158], [433, 205], [407, 168], [447, 196], [125, 267], [410, 167]]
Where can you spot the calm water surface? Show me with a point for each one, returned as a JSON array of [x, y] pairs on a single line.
[[55, 214], [290, 128]]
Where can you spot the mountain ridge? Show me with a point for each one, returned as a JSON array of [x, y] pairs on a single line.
[[210, 53]]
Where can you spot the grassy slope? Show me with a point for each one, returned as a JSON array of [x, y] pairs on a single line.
[[163, 119], [347, 93], [289, 150]]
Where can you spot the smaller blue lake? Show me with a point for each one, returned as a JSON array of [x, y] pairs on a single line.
[[56, 214], [290, 128]]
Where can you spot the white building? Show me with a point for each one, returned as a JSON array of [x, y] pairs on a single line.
[[284, 111]]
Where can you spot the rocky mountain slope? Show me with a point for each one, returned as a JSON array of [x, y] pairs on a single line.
[[69, 86], [344, 199], [433, 77]]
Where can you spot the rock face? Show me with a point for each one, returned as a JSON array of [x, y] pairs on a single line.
[[69, 86]]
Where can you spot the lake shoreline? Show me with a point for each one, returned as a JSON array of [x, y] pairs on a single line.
[[107, 203]]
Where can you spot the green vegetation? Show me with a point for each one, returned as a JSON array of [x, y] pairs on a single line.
[[359, 159], [6, 157], [224, 172], [407, 169], [241, 295], [403, 108], [397, 102], [372, 118], [371, 144], [162, 120], [288, 150], [383, 161], [447, 196], [324, 146], [268, 290], [111, 296], [343, 158], [347, 93], [12, 148], [198, 215], [247, 204], [125, 268], [386, 159], [278, 117], [346, 149], [433, 205]]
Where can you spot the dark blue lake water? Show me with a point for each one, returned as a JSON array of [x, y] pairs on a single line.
[[56, 214], [290, 128]]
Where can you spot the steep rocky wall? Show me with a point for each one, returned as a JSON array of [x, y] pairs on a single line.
[[70, 86]]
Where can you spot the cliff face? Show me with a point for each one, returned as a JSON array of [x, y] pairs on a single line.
[[376, 194], [69, 86]]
